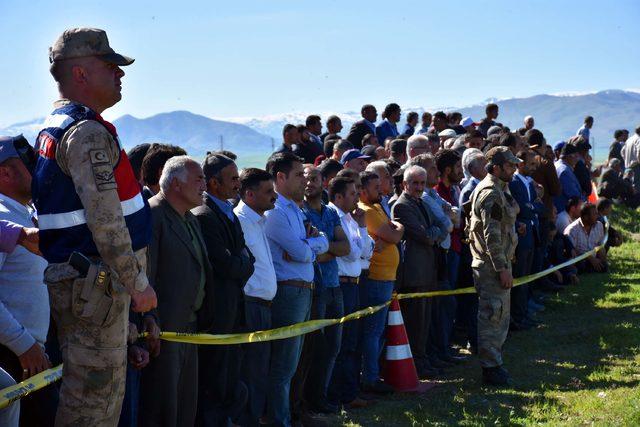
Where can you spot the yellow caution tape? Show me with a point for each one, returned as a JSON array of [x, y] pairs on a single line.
[[13, 393], [36, 382]]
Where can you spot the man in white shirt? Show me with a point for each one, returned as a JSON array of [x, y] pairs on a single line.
[[344, 199], [257, 196], [585, 233], [570, 214]]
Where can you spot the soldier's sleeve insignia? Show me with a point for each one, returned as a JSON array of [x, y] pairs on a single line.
[[102, 170], [98, 157], [496, 212]]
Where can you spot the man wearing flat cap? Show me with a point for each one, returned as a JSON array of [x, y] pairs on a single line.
[[222, 395], [90, 205], [493, 242]]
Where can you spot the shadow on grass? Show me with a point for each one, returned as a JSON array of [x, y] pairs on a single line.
[[590, 330]]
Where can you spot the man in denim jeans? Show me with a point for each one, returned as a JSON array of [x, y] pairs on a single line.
[[327, 303], [378, 287], [294, 248]]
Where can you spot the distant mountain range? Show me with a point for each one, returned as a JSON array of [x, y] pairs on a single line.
[[558, 116]]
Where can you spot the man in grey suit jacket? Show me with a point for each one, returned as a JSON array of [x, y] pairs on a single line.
[[180, 273], [418, 269]]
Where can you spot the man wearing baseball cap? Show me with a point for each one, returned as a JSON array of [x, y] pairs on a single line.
[[24, 302], [354, 159], [94, 228], [493, 242]]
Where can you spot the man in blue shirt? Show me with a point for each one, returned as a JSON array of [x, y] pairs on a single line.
[[388, 127], [585, 129], [410, 126], [327, 302], [294, 248], [568, 181]]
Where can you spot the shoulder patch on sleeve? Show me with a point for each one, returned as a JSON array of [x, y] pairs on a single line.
[[98, 157], [496, 212]]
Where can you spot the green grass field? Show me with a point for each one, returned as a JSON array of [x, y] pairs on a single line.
[[582, 367]]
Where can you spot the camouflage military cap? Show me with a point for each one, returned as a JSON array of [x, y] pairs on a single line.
[[500, 155], [81, 42]]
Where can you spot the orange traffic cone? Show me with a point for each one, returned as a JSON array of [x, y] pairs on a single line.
[[399, 370]]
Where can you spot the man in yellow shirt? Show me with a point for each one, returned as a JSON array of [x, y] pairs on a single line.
[[378, 286]]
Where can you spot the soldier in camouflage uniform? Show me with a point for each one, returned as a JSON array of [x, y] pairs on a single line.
[[493, 242], [89, 202]]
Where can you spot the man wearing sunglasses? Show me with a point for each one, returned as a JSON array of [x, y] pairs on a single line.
[[90, 207]]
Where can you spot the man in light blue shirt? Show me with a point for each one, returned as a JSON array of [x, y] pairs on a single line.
[[568, 181], [294, 246], [585, 129], [24, 299]]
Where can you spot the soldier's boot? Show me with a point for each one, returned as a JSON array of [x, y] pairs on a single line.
[[496, 376]]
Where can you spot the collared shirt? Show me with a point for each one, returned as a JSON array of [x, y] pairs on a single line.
[[24, 299], [326, 221], [286, 233], [371, 125], [361, 245], [450, 195], [424, 130], [225, 207], [262, 283], [562, 221], [584, 132], [441, 219], [525, 181], [408, 129], [631, 150], [569, 183], [316, 138], [581, 240], [384, 202], [467, 190]]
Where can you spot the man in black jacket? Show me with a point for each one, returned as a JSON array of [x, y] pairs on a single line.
[[222, 395], [363, 127]]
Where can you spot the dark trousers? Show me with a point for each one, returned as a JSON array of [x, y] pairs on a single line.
[[328, 304], [255, 363], [129, 413], [467, 304], [520, 294], [416, 313], [444, 307], [38, 409], [169, 386], [222, 396], [344, 382]]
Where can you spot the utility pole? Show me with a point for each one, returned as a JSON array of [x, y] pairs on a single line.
[[273, 145], [221, 143]]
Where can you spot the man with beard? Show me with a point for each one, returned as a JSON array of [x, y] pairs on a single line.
[[493, 242], [257, 196], [221, 394], [293, 253], [378, 286], [327, 301], [523, 190], [449, 165]]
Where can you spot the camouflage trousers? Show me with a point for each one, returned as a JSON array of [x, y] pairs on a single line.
[[93, 353], [493, 315]]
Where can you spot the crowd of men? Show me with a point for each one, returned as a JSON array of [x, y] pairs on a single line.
[[331, 225]]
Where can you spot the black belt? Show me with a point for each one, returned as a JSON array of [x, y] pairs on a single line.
[[296, 284], [257, 300], [349, 280]]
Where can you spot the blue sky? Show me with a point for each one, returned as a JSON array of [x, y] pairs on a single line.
[[252, 58]]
